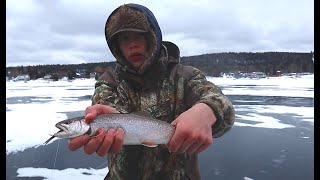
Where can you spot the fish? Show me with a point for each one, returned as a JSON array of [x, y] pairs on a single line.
[[139, 129]]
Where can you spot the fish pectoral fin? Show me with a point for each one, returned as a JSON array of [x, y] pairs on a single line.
[[148, 143]]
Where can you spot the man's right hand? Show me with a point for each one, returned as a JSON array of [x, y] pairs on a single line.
[[105, 141]]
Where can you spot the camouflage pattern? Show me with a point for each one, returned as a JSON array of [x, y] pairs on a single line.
[[162, 87], [165, 91]]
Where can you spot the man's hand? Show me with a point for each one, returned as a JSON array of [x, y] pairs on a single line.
[[193, 132], [105, 141]]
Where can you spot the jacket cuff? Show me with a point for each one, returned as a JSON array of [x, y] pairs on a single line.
[[216, 126]]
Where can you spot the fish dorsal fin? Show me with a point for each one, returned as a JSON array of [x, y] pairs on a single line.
[[148, 143], [141, 113]]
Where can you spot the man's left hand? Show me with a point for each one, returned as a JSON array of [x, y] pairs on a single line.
[[193, 132]]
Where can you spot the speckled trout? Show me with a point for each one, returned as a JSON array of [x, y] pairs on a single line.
[[138, 129]]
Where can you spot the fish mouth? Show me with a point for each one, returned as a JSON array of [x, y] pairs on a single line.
[[61, 129]]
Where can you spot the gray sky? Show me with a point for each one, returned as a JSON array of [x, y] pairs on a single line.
[[72, 32]]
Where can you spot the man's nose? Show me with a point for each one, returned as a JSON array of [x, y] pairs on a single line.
[[132, 44]]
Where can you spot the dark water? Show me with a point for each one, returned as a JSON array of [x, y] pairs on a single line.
[[260, 154], [255, 153]]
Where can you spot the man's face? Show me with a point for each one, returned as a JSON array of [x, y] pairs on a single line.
[[133, 46]]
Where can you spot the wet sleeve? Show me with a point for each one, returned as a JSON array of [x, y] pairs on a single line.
[[200, 90]]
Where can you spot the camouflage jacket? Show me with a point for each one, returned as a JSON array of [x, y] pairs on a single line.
[[165, 91]]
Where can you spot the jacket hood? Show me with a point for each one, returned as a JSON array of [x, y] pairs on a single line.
[[137, 18]]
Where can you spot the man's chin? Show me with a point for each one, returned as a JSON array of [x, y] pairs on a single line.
[[137, 67]]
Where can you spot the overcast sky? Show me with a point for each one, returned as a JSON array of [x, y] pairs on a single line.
[[72, 32]]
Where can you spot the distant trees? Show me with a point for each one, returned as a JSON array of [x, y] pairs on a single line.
[[56, 71], [267, 62], [71, 75], [211, 64]]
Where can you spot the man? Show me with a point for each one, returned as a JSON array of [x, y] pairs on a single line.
[[149, 77]]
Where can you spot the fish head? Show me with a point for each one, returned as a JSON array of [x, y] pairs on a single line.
[[71, 128]]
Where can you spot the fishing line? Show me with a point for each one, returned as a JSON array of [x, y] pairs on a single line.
[[102, 164], [55, 159]]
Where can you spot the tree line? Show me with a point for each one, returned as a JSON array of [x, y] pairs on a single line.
[[211, 64]]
